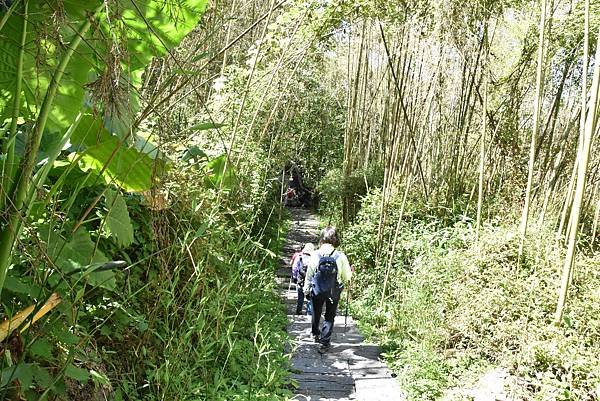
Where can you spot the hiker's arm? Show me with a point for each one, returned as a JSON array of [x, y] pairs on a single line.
[[345, 270]]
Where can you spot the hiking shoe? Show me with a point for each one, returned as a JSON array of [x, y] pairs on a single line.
[[316, 338], [323, 348]]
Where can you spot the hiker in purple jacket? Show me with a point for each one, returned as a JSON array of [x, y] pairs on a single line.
[[299, 266]]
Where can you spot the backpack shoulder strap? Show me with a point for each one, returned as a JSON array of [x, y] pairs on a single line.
[[336, 256]]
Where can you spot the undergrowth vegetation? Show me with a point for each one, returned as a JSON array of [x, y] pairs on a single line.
[[137, 258], [216, 328], [194, 317], [455, 307]]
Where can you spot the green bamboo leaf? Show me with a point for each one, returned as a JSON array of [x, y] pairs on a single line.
[[199, 57], [99, 378], [181, 71], [194, 152]]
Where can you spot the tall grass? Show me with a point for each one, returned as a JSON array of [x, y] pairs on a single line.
[[455, 309], [214, 328]]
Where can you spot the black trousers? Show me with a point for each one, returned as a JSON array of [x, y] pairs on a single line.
[[300, 302], [326, 329]]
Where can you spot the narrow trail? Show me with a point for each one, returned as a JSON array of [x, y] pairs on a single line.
[[351, 369]]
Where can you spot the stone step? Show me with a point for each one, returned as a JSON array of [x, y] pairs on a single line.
[[321, 383], [378, 389], [351, 369]]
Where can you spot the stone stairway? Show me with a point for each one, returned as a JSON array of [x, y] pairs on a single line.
[[351, 369]]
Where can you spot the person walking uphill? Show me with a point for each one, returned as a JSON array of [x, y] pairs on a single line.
[[299, 268], [328, 272]]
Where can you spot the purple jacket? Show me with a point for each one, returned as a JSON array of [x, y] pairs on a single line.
[[297, 266]]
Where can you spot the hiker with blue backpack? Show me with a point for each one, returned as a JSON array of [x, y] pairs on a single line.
[[328, 271], [299, 268]]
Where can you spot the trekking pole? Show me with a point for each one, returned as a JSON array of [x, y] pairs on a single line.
[[348, 300], [347, 304]]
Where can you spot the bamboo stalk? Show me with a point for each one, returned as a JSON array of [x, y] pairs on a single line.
[[586, 142], [8, 147], [392, 249], [481, 163], [13, 210], [568, 199], [534, 132], [595, 225], [272, 75], [228, 36], [247, 89], [408, 123]]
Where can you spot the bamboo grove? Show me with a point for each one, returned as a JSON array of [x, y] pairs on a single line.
[[445, 115], [146, 146]]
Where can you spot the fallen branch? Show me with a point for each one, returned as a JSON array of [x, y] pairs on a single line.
[[7, 327]]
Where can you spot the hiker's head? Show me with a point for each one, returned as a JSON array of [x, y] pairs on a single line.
[[308, 248], [329, 236], [296, 248]]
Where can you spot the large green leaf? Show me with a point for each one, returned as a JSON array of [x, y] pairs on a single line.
[[89, 132], [22, 371], [149, 28], [127, 167], [42, 347], [77, 253], [118, 220], [153, 27], [48, 144], [220, 173], [79, 374], [41, 60]]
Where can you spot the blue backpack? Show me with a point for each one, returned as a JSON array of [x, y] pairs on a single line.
[[325, 279]]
